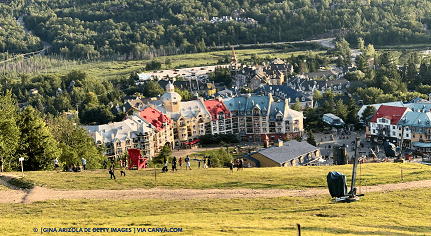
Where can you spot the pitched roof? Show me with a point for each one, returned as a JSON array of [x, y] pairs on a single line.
[[262, 101], [277, 108], [285, 91], [215, 106], [417, 119], [394, 114], [235, 103], [290, 150], [154, 117], [117, 131], [377, 106]]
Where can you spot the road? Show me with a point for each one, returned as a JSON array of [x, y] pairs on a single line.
[[324, 42], [46, 45]]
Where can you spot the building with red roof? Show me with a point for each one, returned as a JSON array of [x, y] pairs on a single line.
[[220, 116], [384, 124], [162, 126]]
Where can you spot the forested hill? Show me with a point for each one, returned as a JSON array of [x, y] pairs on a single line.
[[89, 28]]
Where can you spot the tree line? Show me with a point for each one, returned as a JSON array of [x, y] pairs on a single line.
[[93, 28], [39, 139]]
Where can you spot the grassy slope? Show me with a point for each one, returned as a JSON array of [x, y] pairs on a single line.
[[387, 213], [116, 69], [256, 178]]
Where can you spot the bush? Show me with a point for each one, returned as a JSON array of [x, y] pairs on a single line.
[[219, 158], [216, 139]]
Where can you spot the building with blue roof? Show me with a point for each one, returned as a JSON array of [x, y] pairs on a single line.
[[255, 116], [284, 91], [417, 128]]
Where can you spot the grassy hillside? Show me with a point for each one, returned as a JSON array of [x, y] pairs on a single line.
[[106, 69], [402, 213], [254, 178]]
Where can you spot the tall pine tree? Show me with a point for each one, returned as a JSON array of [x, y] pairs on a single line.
[[36, 144]]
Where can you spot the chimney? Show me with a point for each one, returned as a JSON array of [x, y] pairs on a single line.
[[270, 97], [278, 143]]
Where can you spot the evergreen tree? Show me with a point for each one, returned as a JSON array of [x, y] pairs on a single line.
[[311, 140], [341, 110], [297, 105], [9, 131], [352, 115], [134, 76], [36, 144], [316, 95], [74, 142], [152, 89], [369, 110], [165, 153]]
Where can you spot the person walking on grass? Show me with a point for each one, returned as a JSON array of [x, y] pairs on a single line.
[[231, 166], [122, 171], [57, 167], [174, 164], [84, 163], [111, 172], [165, 165], [188, 162], [180, 161]]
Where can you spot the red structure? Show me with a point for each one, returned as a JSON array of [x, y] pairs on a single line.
[[215, 107], [136, 159], [155, 117]]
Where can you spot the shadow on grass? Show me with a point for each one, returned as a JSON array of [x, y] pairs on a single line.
[[308, 231], [248, 185], [422, 229]]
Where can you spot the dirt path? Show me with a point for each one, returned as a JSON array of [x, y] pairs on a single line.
[[42, 194]]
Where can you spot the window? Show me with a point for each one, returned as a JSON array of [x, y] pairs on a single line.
[[263, 118], [393, 133], [413, 129]]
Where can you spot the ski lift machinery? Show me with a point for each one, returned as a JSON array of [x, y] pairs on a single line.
[[351, 196]]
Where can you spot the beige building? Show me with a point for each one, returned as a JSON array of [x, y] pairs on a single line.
[[190, 119], [161, 126], [119, 137]]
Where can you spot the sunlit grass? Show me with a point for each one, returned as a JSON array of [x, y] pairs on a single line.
[[387, 213], [109, 69], [251, 178]]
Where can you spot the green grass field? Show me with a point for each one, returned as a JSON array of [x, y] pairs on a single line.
[[402, 213], [253, 178], [115, 69]]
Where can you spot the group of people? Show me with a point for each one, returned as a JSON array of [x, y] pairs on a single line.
[[72, 168], [123, 168], [174, 164]]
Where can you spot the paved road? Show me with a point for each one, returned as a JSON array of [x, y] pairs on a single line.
[[324, 140], [21, 22], [324, 42]]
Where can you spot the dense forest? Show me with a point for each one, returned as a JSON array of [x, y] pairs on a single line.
[[91, 28]]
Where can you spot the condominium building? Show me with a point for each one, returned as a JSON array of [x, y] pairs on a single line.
[[253, 117]]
